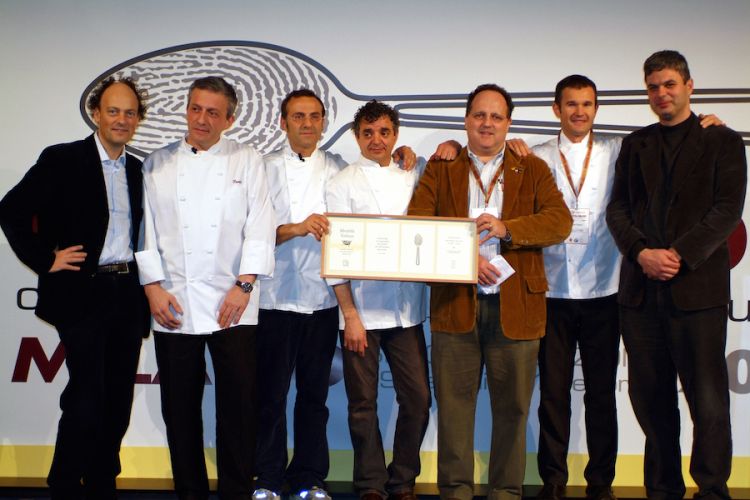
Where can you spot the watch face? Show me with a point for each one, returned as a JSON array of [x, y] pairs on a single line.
[[246, 287]]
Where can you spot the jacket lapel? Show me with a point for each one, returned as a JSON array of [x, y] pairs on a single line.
[[458, 184], [649, 161], [687, 159], [95, 175], [512, 177]]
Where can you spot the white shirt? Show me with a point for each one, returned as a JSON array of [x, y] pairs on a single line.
[[207, 219], [490, 248], [364, 187], [584, 271], [118, 245], [297, 190]]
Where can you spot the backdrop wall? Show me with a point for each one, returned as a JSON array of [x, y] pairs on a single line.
[[421, 55]]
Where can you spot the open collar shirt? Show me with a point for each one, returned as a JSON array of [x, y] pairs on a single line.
[[491, 247], [118, 246]]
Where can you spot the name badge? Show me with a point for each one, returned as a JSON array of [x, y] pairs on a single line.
[[579, 235]]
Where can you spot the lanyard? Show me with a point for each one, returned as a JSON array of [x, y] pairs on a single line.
[[488, 192], [585, 170]]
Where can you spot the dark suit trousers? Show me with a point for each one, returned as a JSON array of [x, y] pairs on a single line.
[[662, 343], [101, 354], [592, 326], [290, 342], [182, 377], [406, 352]]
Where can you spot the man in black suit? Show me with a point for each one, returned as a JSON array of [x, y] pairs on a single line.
[[74, 220], [678, 194]]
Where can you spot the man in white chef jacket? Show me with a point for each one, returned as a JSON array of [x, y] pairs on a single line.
[[377, 315], [298, 321], [583, 274], [209, 235]]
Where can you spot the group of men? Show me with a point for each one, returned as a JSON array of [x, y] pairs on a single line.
[[220, 222]]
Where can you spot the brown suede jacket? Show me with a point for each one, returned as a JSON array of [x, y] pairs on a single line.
[[536, 216]]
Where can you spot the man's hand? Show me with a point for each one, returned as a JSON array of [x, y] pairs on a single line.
[[355, 335], [314, 224], [494, 227], [519, 147], [234, 304], [447, 151], [488, 274], [162, 303], [406, 157], [659, 264], [710, 121], [65, 258]]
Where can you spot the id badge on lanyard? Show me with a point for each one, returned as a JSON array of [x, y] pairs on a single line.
[[579, 235]]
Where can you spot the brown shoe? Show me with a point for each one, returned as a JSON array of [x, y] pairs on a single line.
[[551, 492]]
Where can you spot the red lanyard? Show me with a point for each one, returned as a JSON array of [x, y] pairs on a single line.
[[487, 192], [577, 191]]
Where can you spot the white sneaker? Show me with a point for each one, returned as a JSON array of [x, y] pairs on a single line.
[[264, 494], [313, 493]]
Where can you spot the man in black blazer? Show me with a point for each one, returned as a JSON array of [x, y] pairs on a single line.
[[678, 194], [74, 220]]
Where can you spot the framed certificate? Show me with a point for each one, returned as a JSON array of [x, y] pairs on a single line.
[[403, 248]]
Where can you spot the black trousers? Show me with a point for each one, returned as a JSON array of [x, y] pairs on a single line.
[[303, 344], [101, 354], [406, 352], [663, 343], [182, 376], [592, 326]]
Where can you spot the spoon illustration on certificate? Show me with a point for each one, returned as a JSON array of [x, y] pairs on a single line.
[[417, 243], [264, 73]]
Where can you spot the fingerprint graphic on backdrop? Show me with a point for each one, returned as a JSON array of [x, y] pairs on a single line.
[[261, 76], [264, 73]]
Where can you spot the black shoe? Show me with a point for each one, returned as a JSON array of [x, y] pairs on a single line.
[[551, 492], [600, 493]]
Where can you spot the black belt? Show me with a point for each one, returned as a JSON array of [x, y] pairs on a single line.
[[117, 268], [488, 296]]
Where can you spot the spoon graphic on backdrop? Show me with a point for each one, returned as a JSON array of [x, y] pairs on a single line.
[[264, 73]]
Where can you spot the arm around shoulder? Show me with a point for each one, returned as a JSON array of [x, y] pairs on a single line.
[[550, 222]]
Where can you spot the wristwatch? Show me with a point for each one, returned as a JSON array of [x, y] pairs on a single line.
[[507, 238], [246, 286]]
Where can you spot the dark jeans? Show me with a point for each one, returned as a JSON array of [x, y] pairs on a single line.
[[592, 325], [182, 376], [662, 343], [101, 354], [304, 344], [406, 352]]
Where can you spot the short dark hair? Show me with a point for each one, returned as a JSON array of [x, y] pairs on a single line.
[[495, 88], [300, 93], [95, 98], [667, 59], [220, 86], [373, 110], [574, 82]]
